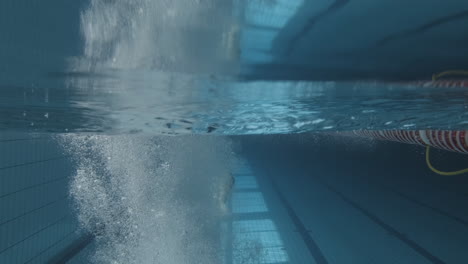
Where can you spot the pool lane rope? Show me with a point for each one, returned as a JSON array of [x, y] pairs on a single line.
[[437, 76], [442, 79], [443, 173], [455, 141]]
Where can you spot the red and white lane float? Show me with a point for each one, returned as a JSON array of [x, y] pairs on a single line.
[[456, 141], [442, 83], [440, 79]]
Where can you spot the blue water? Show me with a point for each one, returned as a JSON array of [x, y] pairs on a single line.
[[165, 104], [208, 131], [224, 67]]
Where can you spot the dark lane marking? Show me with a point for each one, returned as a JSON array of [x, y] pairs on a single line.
[[34, 162], [337, 5], [303, 232], [22, 139], [49, 247], [71, 251], [33, 234], [60, 199], [261, 27], [423, 252], [34, 186], [437, 210], [423, 28]]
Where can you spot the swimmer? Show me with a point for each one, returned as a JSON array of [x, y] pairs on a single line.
[[226, 192]]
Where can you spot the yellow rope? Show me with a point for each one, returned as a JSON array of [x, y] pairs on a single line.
[[444, 173], [451, 72], [435, 77]]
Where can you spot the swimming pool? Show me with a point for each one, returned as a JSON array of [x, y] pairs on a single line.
[[217, 131]]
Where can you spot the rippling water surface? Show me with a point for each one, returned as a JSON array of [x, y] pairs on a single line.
[[106, 81], [163, 103], [173, 67]]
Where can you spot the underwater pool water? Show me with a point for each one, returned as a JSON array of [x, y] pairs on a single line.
[[218, 131], [158, 103]]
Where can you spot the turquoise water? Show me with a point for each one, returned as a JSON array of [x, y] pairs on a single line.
[[226, 67], [173, 104], [208, 131]]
